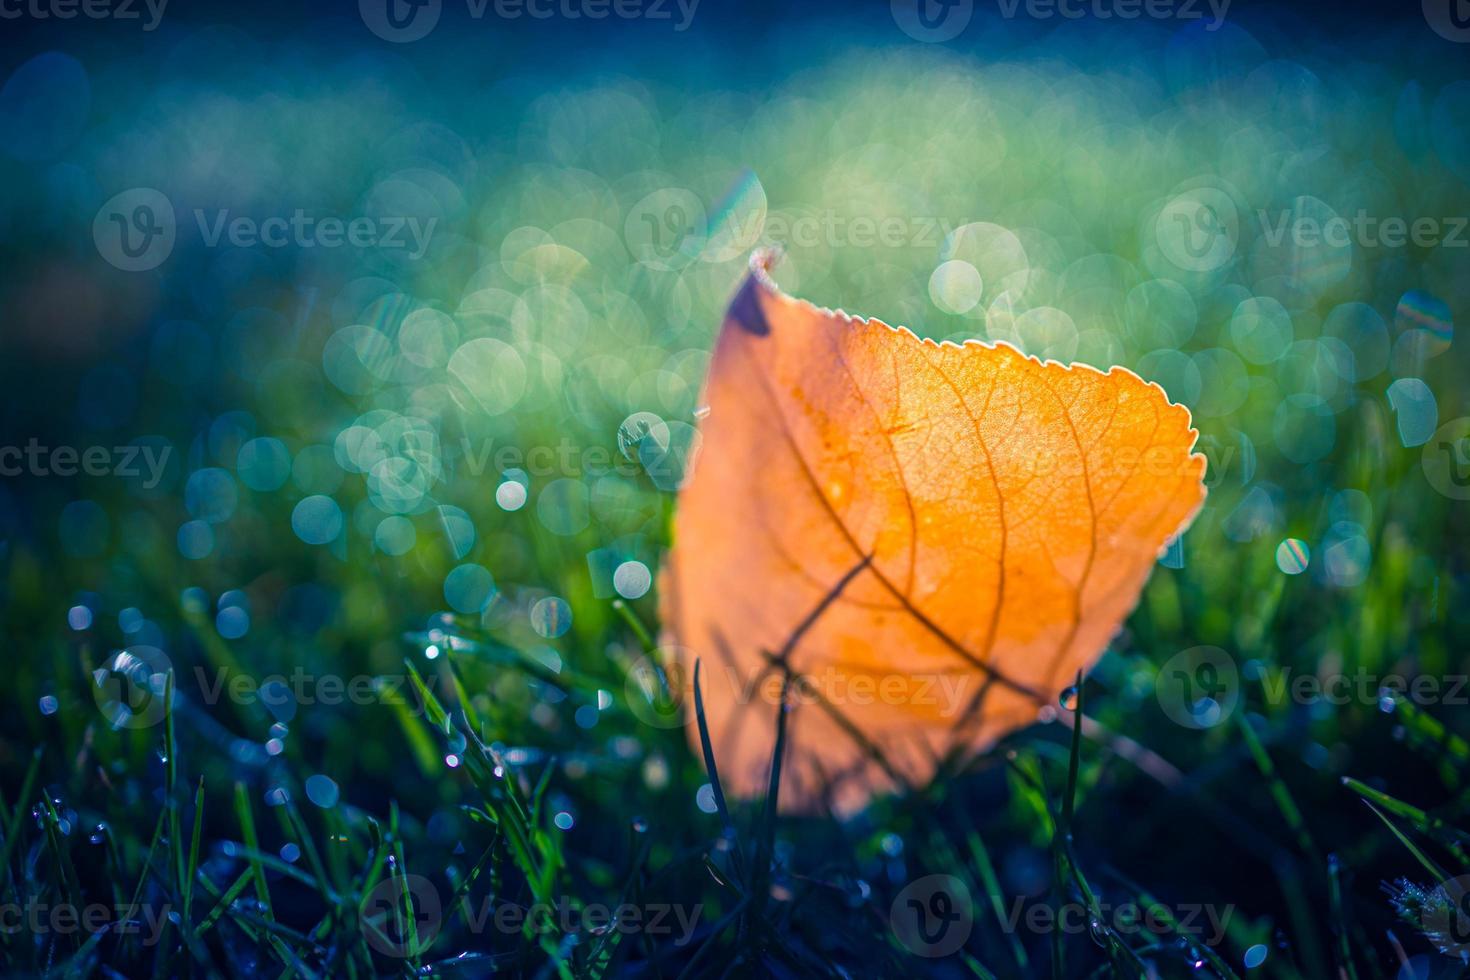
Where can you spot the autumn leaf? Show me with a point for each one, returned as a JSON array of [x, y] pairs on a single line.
[[928, 540]]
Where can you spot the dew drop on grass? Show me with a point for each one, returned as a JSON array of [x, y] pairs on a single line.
[[1068, 699]]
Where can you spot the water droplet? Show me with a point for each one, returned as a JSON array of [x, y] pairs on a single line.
[[1068, 699]]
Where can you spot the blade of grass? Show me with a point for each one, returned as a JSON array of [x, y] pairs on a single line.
[[1284, 801], [1440, 874], [992, 889], [246, 818], [713, 771], [766, 840], [12, 823], [1339, 918], [193, 868], [1074, 760]]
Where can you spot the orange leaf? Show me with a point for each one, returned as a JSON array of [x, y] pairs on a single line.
[[932, 537]]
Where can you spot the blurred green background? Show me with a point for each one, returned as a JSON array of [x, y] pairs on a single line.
[[334, 352]]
